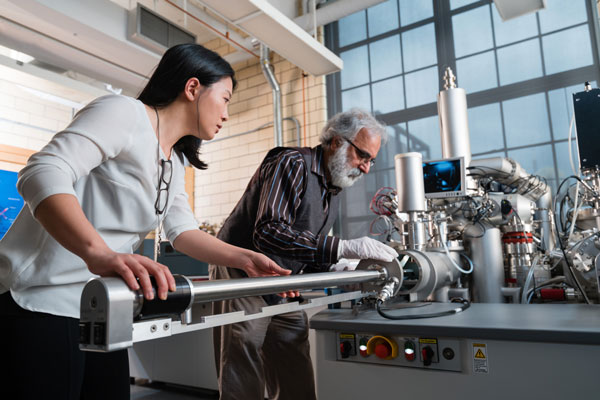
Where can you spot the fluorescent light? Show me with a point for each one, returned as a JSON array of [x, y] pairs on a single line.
[[16, 55], [514, 8]]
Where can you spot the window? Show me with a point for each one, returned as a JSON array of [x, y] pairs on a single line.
[[519, 76]]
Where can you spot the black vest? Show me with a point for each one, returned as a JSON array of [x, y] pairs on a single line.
[[238, 228]]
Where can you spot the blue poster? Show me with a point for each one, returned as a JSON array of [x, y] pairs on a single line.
[[11, 201]]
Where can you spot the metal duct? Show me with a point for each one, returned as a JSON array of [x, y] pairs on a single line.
[[268, 72]]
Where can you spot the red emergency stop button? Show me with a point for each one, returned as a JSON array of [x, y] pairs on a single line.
[[383, 350], [383, 347]]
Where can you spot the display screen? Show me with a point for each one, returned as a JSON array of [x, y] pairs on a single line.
[[587, 118], [444, 176], [11, 202]]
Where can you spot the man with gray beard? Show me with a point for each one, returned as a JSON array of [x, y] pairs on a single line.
[[286, 213]]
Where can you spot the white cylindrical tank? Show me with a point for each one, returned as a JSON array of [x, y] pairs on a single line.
[[454, 123], [409, 182]]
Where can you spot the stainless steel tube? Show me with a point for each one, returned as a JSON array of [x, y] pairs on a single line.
[[454, 123], [277, 115], [224, 289], [409, 182]]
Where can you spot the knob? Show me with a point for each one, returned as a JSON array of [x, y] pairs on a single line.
[[345, 349], [427, 355]]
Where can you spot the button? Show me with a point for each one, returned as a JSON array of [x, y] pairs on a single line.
[[362, 346], [383, 350], [409, 350], [383, 347]]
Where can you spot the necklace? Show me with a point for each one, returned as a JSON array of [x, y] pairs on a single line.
[[158, 229]]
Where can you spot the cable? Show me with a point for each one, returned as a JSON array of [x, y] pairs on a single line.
[[465, 304], [383, 201], [560, 243], [534, 264], [389, 226], [453, 262], [483, 230], [575, 212]]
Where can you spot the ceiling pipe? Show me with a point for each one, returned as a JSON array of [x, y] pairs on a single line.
[[333, 11], [216, 27], [277, 119]]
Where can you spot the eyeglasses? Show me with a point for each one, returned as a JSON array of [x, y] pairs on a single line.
[[162, 195], [364, 156]]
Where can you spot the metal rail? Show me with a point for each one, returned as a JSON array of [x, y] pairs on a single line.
[[225, 289]]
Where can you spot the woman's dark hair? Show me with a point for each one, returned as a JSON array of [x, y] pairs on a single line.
[[176, 67]]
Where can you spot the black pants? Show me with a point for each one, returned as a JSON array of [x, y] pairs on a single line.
[[40, 359]]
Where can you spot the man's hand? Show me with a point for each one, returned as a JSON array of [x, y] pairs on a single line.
[[366, 248], [344, 265]]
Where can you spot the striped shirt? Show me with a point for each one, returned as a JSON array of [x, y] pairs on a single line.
[[283, 180]]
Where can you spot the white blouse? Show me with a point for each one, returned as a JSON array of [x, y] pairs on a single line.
[[108, 158]]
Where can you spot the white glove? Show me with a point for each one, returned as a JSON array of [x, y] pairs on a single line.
[[344, 265], [366, 248]]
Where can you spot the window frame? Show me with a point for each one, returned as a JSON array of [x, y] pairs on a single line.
[[442, 20]]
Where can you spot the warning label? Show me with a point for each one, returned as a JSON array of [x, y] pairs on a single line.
[[480, 358]]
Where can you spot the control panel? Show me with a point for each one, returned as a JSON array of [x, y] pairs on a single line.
[[402, 351]]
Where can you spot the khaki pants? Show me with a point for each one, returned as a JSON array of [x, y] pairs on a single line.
[[271, 352]]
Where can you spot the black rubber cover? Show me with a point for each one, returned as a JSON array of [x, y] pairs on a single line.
[[175, 304]]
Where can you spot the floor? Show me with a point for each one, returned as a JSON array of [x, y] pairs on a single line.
[[170, 392]]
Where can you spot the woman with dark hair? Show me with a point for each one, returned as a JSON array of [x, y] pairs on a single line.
[[93, 193]]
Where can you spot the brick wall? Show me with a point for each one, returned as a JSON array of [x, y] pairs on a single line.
[[26, 120], [233, 159]]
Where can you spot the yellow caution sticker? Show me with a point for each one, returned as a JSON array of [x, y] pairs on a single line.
[[429, 341], [480, 358], [346, 335]]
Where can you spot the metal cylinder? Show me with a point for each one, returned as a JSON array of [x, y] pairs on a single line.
[[224, 289], [454, 123], [426, 272], [485, 246], [409, 182]]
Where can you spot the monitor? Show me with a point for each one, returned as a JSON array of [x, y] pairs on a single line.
[[445, 178], [587, 117], [11, 202]]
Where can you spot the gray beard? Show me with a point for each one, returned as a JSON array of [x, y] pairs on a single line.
[[342, 175]]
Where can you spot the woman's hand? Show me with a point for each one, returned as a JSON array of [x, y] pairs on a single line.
[[204, 247], [130, 266]]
